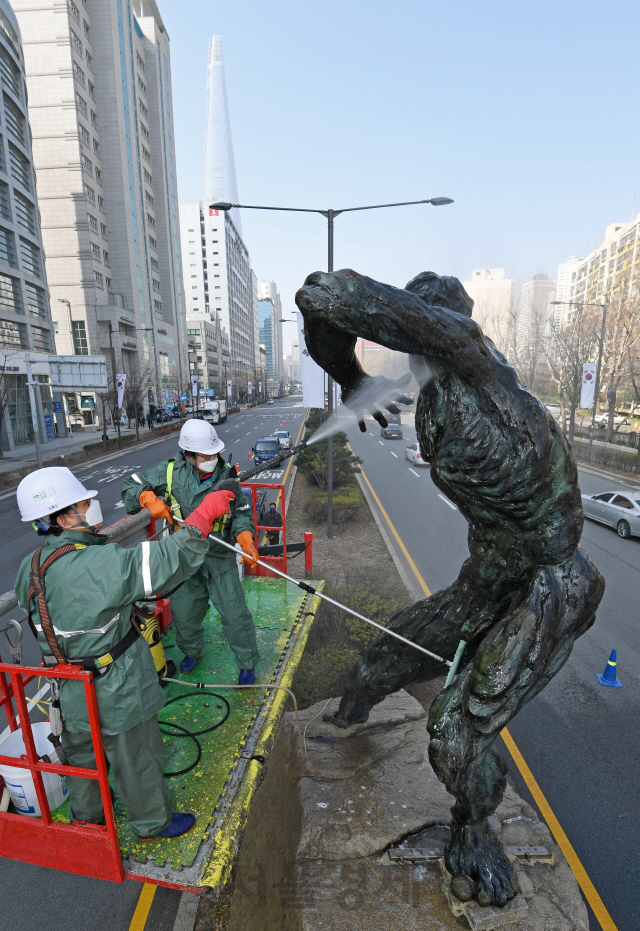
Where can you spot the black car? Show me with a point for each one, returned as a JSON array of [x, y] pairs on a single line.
[[393, 430]]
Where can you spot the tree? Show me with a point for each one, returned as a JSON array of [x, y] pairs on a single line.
[[566, 348], [139, 381], [634, 369], [622, 332], [5, 358]]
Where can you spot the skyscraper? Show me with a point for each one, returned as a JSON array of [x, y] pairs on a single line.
[[535, 311], [219, 283], [269, 292], [101, 109], [219, 165]]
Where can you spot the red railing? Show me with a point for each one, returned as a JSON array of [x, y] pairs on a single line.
[[83, 848]]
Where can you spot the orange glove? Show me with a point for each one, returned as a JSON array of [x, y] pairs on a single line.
[[156, 506], [245, 539], [211, 509]]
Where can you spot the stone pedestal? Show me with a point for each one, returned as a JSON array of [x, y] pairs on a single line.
[[316, 853]]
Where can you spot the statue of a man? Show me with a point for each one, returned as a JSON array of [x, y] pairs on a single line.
[[527, 590]]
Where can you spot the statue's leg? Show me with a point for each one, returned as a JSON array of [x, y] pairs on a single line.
[[389, 665], [512, 664]]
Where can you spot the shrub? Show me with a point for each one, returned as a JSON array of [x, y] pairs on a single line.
[[323, 674], [347, 506]]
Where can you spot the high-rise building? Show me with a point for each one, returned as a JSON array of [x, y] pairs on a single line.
[[493, 308], [217, 274], [25, 316], [565, 278], [101, 109], [269, 292], [267, 318], [613, 269], [535, 312]]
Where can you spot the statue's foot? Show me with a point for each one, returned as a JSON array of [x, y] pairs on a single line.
[[478, 865], [350, 712]]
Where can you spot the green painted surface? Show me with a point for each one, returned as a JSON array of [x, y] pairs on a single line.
[[275, 605]]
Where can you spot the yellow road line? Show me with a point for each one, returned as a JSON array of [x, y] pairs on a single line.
[[589, 890], [143, 907], [423, 584]]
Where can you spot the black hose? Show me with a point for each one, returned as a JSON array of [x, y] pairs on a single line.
[[193, 734]]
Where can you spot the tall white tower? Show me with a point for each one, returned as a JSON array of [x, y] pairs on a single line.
[[220, 182]]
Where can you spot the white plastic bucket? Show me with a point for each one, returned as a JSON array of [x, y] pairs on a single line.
[[20, 782]]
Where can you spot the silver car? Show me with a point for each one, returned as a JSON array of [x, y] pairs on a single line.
[[413, 454], [619, 509]]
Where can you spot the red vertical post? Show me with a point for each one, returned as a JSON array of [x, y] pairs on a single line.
[[308, 551]]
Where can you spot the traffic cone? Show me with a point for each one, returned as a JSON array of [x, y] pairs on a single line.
[[249, 456], [237, 468], [287, 422], [609, 676]]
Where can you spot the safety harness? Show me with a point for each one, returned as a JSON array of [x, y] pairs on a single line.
[[218, 526], [95, 664]]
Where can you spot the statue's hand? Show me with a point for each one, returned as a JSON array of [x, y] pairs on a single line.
[[371, 393]]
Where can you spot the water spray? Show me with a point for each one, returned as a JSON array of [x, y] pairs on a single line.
[[229, 484]]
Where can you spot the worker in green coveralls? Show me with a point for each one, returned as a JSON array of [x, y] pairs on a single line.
[[79, 591], [177, 486]]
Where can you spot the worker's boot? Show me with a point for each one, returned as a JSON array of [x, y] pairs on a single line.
[[180, 823], [247, 677], [188, 664]]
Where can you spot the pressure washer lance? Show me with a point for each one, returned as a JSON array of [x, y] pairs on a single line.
[[229, 484], [385, 630]]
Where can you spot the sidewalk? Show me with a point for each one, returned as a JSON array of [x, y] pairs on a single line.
[[25, 453]]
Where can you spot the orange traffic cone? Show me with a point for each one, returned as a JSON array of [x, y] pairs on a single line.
[[237, 468], [249, 456], [287, 422]]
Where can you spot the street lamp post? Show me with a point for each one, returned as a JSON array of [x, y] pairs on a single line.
[[331, 215], [596, 391]]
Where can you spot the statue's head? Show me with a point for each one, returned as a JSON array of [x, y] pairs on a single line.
[[441, 291]]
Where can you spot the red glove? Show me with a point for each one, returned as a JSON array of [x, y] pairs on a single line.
[[245, 539], [156, 506], [214, 506]]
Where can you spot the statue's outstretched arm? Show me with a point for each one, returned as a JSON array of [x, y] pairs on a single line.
[[341, 306]]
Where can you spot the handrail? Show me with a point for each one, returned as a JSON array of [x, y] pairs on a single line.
[[124, 532]]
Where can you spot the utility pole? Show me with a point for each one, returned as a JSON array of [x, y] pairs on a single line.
[[34, 410], [329, 215]]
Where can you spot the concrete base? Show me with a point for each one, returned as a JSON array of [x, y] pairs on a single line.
[[316, 851]]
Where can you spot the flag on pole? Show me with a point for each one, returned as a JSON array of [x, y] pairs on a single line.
[[213, 213], [194, 386], [120, 383], [260, 387], [587, 391], [228, 387], [250, 386]]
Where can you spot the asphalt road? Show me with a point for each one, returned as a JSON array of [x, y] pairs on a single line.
[[580, 739], [32, 896]]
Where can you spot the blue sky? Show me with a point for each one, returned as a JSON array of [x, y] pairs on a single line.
[[523, 113]]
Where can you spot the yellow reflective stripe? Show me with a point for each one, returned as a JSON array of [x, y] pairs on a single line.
[[175, 507], [81, 546], [610, 663]]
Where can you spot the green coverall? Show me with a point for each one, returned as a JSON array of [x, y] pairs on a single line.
[[89, 596], [218, 578]]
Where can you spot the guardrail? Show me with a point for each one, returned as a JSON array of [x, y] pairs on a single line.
[[125, 532]]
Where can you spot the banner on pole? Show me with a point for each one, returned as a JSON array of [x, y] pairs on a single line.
[[228, 387], [312, 374], [587, 391], [260, 387], [194, 386], [250, 386], [120, 383]]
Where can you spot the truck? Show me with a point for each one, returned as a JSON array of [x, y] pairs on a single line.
[[214, 411]]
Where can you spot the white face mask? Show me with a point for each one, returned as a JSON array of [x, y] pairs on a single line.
[[93, 518], [94, 514], [209, 465]]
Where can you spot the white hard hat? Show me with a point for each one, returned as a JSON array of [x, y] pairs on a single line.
[[198, 436], [47, 490]]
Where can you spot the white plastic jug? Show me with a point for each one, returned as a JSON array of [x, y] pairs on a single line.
[[20, 782]]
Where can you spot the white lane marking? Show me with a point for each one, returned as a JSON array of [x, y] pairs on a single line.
[[446, 501], [392, 453], [381, 443], [414, 473], [120, 504], [370, 434]]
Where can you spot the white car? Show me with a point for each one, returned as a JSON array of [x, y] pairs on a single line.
[[618, 509], [413, 454], [284, 438]]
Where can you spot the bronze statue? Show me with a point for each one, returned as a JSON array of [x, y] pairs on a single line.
[[527, 590]]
